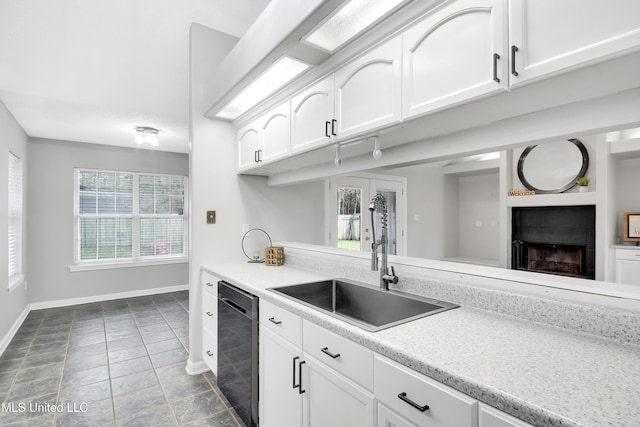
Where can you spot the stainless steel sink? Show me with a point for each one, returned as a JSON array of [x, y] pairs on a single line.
[[363, 305]]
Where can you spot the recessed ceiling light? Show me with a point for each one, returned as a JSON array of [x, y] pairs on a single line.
[[280, 73], [349, 21], [147, 135]]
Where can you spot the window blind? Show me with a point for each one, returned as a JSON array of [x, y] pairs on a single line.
[[129, 216], [14, 203]]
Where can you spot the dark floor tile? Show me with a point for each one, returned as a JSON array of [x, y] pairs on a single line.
[[10, 366], [15, 352], [197, 407], [84, 340], [129, 367], [33, 414], [129, 332], [169, 357], [40, 421], [52, 338], [146, 321], [75, 378], [160, 416], [39, 347], [116, 356], [87, 350], [158, 336], [152, 329], [92, 414], [79, 362], [142, 400], [173, 372], [221, 419], [40, 372], [86, 393], [162, 346], [180, 387], [33, 359], [125, 342], [133, 382], [35, 388]]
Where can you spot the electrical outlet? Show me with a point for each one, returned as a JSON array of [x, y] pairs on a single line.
[[211, 217]]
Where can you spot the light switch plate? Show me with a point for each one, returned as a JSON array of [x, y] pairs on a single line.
[[211, 217]]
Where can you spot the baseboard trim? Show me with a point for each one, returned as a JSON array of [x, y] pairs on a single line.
[[14, 328], [195, 368], [107, 297]]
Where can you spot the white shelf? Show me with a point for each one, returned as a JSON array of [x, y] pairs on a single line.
[[625, 148], [563, 199]]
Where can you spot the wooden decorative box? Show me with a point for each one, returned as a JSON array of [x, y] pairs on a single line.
[[274, 255]]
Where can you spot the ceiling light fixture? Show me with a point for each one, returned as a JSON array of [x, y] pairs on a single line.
[[147, 135], [349, 21], [338, 160], [377, 152], [279, 74]]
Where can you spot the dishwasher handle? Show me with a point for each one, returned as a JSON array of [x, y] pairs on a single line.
[[234, 305]]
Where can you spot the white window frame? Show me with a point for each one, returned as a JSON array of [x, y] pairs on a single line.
[[15, 221], [136, 259]]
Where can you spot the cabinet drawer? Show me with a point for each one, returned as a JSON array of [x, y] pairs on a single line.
[[281, 321], [209, 282], [210, 350], [447, 407], [342, 355], [209, 311], [629, 254], [491, 417]]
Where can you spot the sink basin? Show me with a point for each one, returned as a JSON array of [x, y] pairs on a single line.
[[363, 305]]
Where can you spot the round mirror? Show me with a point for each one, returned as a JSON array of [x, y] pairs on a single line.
[[553, 167]]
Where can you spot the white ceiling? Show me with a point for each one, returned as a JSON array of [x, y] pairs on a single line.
[[93, 70]]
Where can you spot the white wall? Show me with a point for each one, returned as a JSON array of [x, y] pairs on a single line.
[[12, 138], [50, 218], [287, 213]]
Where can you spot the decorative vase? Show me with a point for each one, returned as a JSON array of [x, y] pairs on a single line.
[[583, 189]]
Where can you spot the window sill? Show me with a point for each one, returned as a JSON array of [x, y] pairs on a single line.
[[127, 264], [15, 281]]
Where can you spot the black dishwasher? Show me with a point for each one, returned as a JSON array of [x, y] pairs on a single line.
[[238, 350]]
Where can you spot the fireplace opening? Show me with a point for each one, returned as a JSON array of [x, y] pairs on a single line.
[[563, 260]]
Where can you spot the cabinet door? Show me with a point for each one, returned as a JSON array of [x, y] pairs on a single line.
[[276, 133], [332, 400], [454, 55], [249, 146], [368, 91], [280, 403], [389, 418], [627, 272], [555, 36], [491, 417], [210, 350], [311, 114]]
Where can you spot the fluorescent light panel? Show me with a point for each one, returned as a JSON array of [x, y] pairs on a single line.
[[271, 80], [348, 22]]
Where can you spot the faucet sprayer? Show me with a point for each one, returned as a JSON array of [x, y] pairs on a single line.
[[380, 203]]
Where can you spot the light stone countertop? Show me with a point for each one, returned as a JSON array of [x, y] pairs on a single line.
[[544, 375]]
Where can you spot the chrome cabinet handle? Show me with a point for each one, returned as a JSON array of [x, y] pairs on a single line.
[[210, 314], [274, 321], [328, 353], [495, 67], [294, 372], [209, 284], [404, 398], [326, 129], [514, 49], [333, 127], [300, 390], [209, 353]]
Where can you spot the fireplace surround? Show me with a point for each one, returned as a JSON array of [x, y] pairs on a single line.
[[555, 240]]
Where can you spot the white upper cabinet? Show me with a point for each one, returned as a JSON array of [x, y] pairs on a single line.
[[550, 36], [454, 55], [249, 146], [265, 139], [276, 133], [368, 91], [311, 116]]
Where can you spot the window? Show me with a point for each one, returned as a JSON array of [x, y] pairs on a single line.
[[14, 203], [129, 217]]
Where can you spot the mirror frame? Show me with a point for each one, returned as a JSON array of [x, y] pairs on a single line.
[[581, 173]]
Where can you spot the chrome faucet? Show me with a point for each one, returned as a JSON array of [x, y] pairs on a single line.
[[380, 203]]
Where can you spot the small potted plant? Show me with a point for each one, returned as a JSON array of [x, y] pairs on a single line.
[[583, 182]]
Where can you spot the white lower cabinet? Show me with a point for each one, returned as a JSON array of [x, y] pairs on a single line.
[[311, 377], [209, 284], [421, 400], [628, 266]]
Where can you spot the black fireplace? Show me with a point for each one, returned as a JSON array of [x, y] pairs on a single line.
[[555, 240]]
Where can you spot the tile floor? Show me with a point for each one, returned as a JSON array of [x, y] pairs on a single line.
[[119, 362]]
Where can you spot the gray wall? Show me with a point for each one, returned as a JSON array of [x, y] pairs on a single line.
[[50, 220], [12, 138]]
